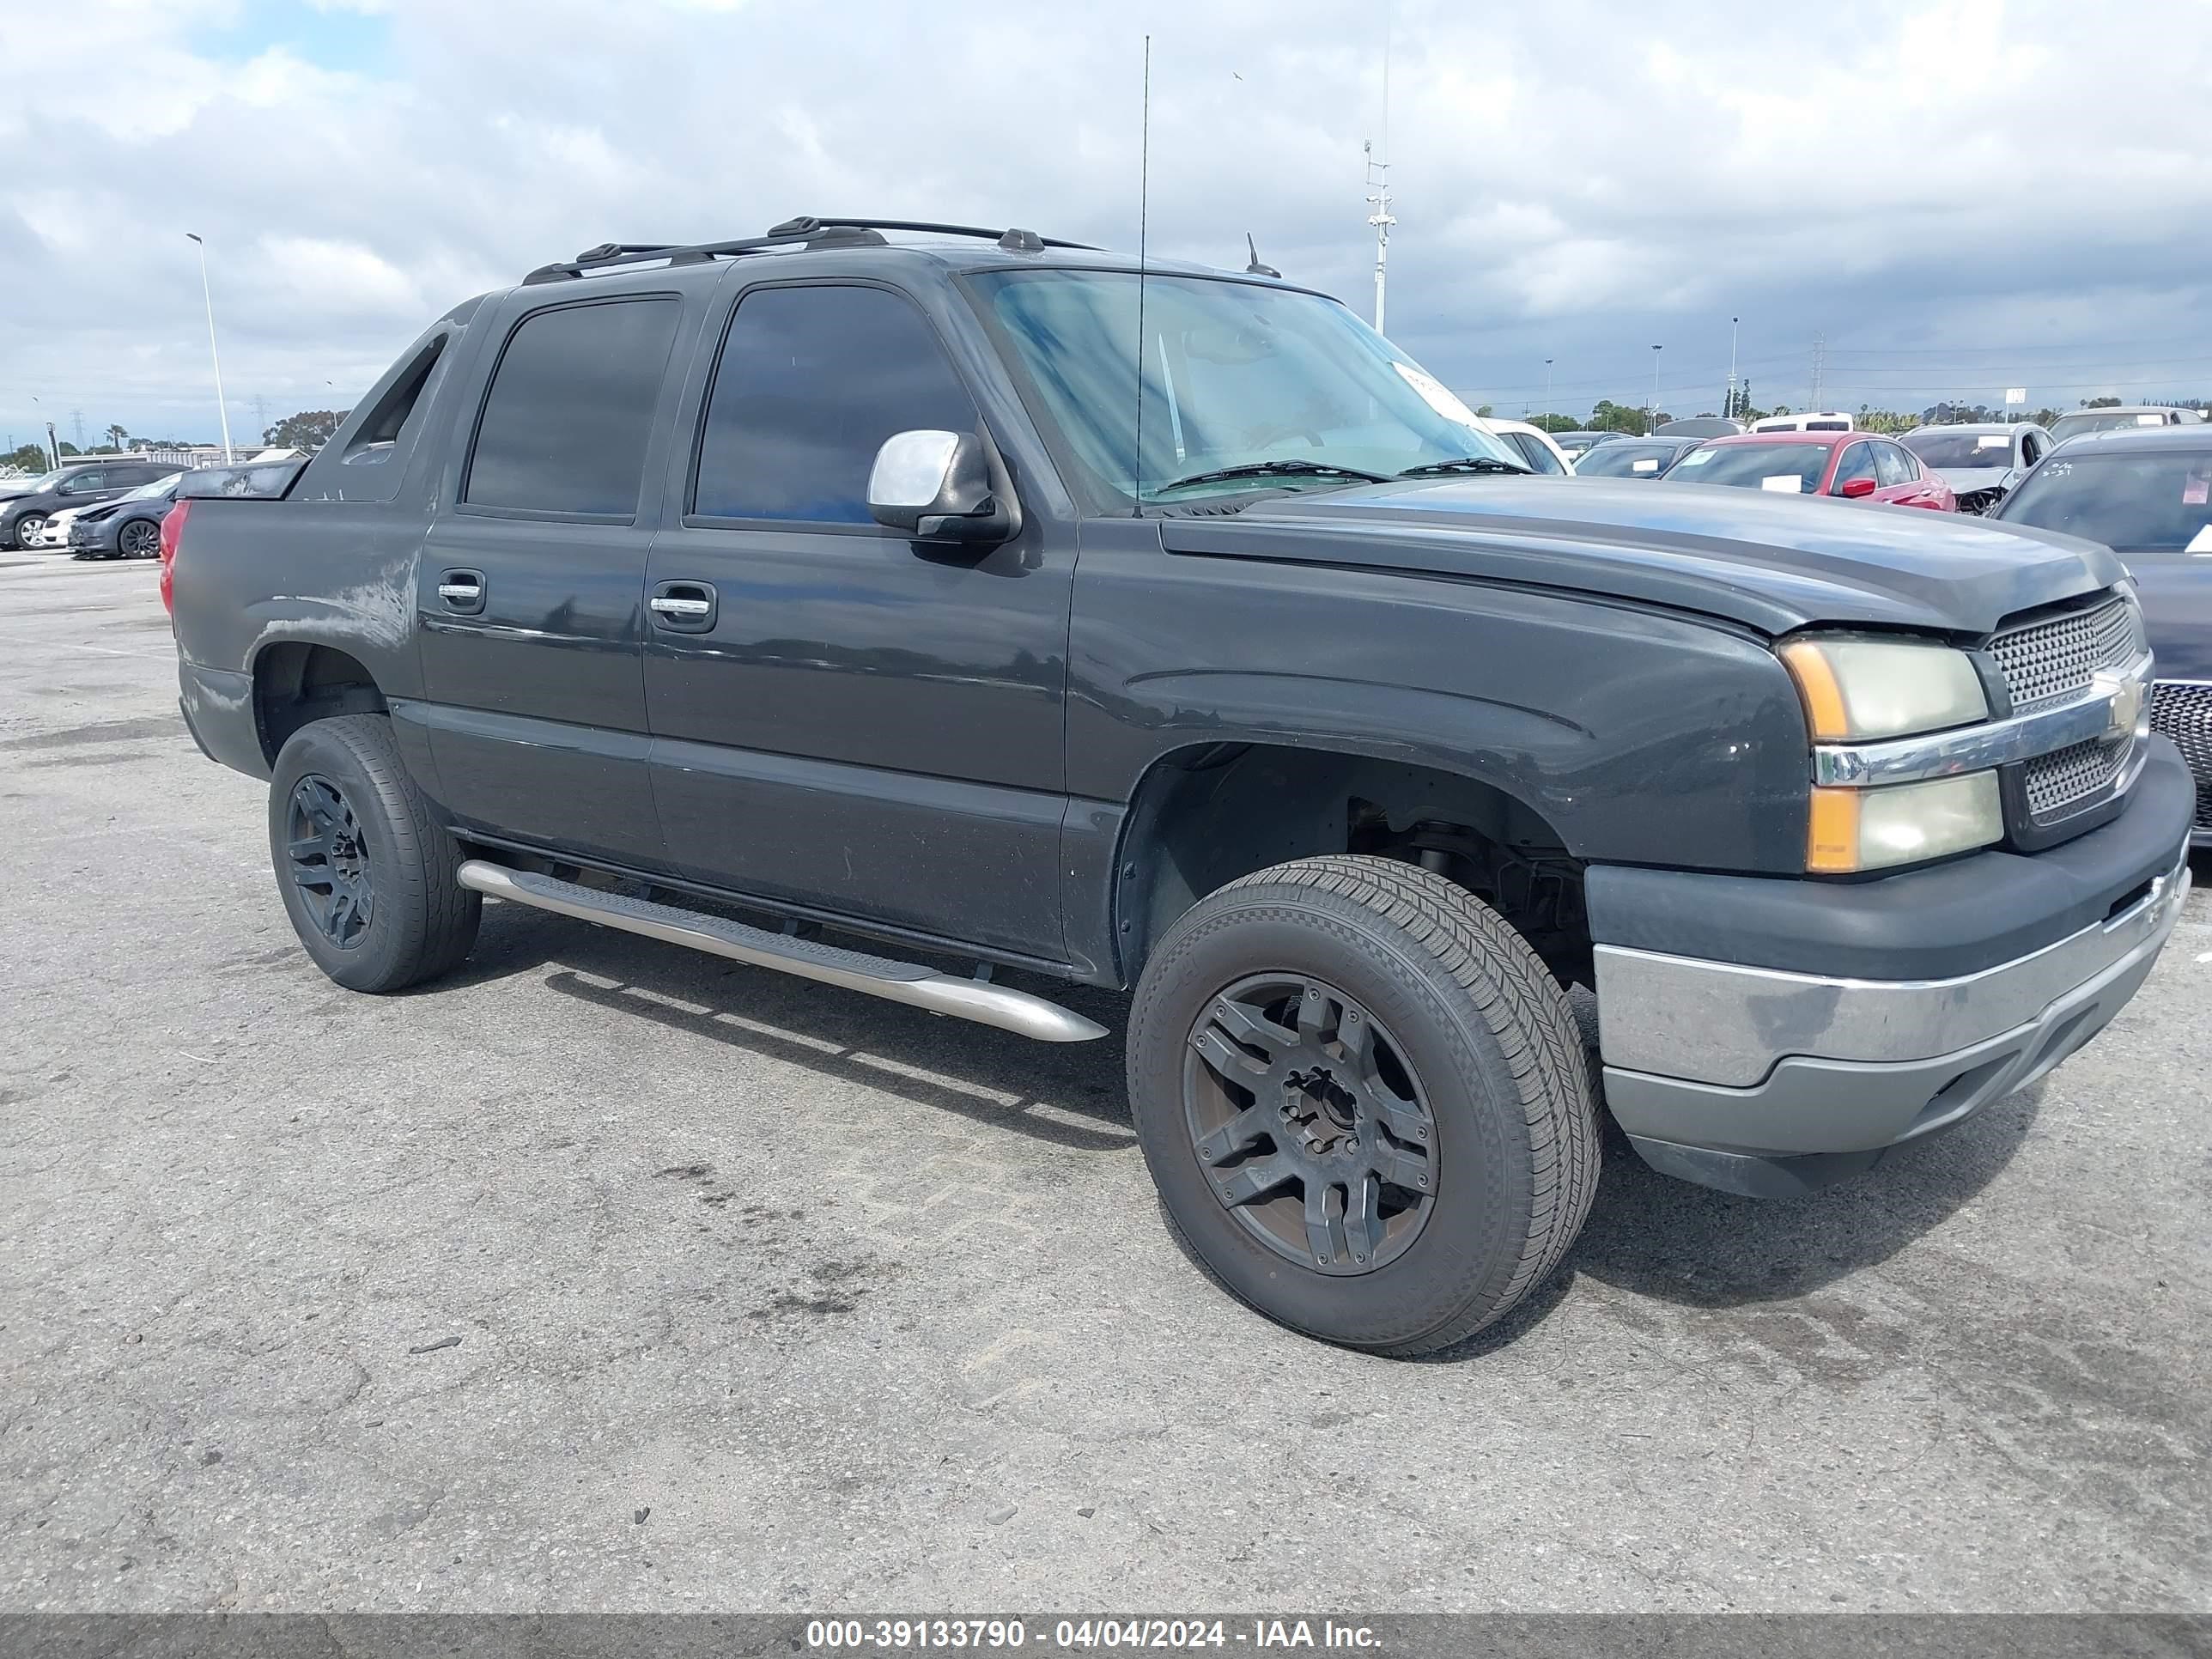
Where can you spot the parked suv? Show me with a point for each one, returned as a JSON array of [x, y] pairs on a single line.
[[81, 484], [908, 592]]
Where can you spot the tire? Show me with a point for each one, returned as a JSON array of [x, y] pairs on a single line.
[[138, 538], [25, 527], [366, 872], [1474, 1078]]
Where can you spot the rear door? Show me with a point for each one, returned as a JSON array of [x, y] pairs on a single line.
[[530, 590], [844, 719]]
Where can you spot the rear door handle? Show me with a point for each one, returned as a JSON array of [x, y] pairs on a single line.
[[463, 590], [682, 607]]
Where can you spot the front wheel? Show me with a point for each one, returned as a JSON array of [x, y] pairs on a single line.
[[140, 538], [1364, 1102], [366, 873], [29, 528]]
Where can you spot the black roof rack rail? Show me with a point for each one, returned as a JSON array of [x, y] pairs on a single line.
[[807, 229], [1012, 240]]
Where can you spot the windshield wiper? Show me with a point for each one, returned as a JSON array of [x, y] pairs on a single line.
[[1465, 464], [1290, 469]]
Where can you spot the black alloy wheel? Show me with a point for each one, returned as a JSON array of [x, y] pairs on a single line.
[[328, 862], [140, 538], [1315, 1132], [1364, 1100]]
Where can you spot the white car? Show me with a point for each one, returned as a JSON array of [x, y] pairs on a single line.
[[1532, 443], [55, 531]]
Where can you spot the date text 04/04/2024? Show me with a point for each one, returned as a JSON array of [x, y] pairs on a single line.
[[1079, 1635]]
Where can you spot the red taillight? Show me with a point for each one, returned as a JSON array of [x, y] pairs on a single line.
[[173, 527]]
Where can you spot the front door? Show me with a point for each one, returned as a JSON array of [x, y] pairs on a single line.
[[844, 719], [530, 592]]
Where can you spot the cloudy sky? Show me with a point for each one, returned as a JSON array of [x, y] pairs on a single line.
[[1957, 196]]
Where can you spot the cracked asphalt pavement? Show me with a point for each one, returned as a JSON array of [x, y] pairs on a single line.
[[609, 1276]]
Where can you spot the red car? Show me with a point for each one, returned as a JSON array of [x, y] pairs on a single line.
[[1856, 466]]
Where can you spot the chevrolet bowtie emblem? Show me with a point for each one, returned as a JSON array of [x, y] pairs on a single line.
[[2126, 691]]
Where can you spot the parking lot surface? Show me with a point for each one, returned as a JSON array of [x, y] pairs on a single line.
[[609, 1276]]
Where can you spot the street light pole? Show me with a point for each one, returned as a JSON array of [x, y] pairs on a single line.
[[1652, 408], [1548, 387], [221, 408], [1729, 406]]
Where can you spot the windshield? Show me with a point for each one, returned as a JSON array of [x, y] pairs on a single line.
[[1622, 459], [1793, 469], [2102, 420], [43, 484], [159, 487], [1960, 449], [2158, 503], [1236, 375]]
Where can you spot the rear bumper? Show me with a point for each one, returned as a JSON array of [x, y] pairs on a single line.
[[1765, 1079]]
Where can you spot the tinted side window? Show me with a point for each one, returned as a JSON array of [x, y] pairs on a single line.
[[565, 426], [1892, 465], [2031, 449], [1858, 463], [1533, 451], [811, 383]]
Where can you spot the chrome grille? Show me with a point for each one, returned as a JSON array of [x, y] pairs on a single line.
[[2182, 709], [2053, 659], [2060, 781]]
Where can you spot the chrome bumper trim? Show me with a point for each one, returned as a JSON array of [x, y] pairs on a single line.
[[2118, 707], [1717, 1023]]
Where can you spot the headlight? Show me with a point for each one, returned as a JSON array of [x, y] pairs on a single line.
[[1856, 690], [1856, 829]]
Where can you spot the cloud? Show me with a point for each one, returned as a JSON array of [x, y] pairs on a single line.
[[1944, 191]]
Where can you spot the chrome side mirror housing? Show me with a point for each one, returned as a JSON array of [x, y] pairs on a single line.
[[942, 486]]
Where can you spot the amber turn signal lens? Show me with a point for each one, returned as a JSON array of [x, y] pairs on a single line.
[[1825, 709], [1831, 838]]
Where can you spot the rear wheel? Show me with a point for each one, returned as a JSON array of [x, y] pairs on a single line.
[[366, 873], [140, 538], [1364, 1102]]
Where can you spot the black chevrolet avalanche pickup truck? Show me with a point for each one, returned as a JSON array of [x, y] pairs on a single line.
[[988, 603]]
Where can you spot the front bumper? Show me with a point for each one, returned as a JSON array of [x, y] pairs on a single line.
[[1763, 1080]]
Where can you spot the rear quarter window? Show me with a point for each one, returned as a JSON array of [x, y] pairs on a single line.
[[568, 415]]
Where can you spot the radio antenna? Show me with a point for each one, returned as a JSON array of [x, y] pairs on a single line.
[[1144, 200]]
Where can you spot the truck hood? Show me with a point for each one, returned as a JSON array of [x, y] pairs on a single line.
[[1770, 562]]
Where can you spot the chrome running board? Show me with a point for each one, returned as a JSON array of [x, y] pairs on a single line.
[[908, 982]]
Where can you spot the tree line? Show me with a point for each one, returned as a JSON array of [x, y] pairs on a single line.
[[307, 431]]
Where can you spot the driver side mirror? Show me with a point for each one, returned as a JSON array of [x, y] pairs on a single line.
[[943, 486], [1856, 488]]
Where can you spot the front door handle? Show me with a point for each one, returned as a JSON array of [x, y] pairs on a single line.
[[682, 607], [463, 590]]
